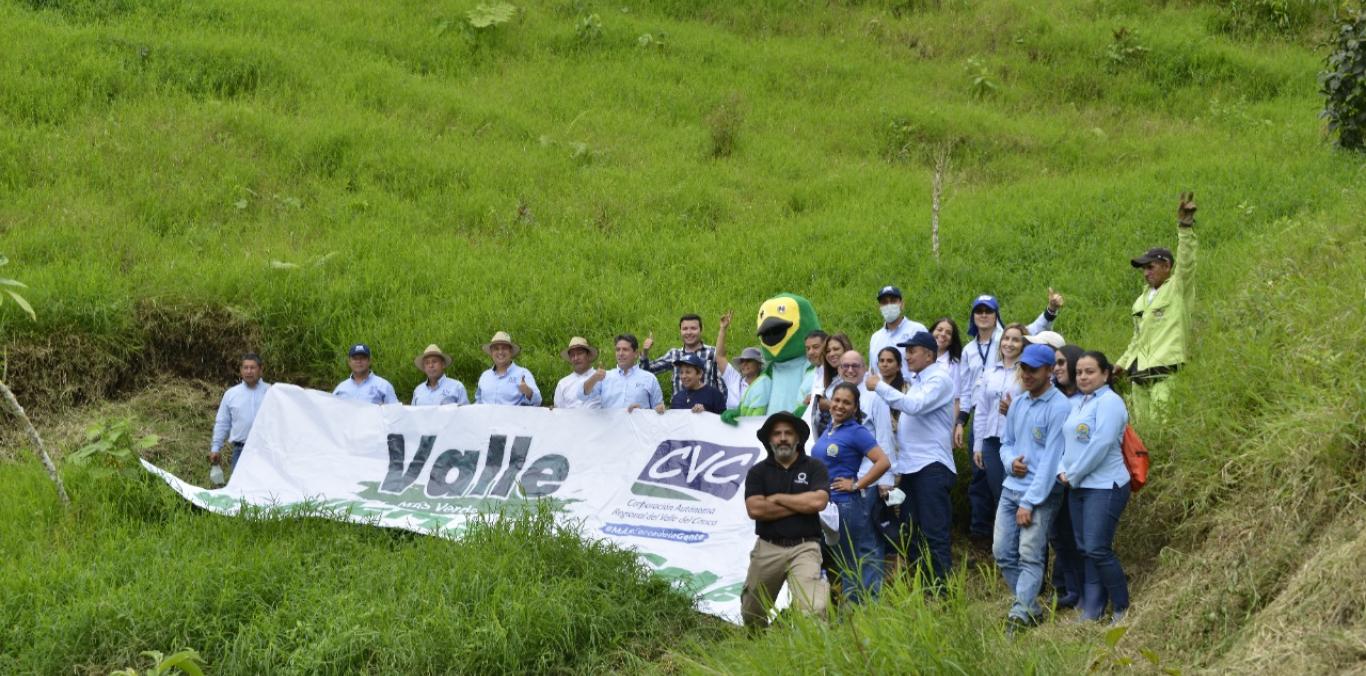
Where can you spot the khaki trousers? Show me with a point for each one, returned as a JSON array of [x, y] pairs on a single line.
[[771, 565]]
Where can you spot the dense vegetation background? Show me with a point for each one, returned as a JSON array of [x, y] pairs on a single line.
[[182, 180]]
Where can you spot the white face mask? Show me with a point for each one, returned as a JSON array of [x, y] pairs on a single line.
[[891, 312]]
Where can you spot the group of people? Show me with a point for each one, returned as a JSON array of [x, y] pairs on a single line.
[[1045, 428], [1039, 416]]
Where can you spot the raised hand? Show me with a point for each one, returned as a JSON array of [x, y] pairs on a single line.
[[871, 382], [725, 319], [524, 388], [598, 375], [649, 342], [1185, 211], [1055, 300], [1004, 407]]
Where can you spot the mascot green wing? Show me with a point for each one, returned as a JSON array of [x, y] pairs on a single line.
[[783, 324]]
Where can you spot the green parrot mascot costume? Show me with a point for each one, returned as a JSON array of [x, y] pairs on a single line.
[[784, 322]]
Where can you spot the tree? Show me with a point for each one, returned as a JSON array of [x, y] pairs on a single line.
[[11, 404]]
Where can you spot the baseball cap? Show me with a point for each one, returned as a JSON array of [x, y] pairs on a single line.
[[987, 300], [1052, 339], [1156, 253], [889, 290], [1037, 355], [358, 350], [921, 339], [692, 360]]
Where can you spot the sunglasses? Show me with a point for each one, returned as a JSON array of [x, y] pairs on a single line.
[[983, 310]]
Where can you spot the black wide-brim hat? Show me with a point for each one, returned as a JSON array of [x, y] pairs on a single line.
[[803, 429]]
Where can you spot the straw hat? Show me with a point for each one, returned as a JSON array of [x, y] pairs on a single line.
[[577, 342], [432, 350], [501, 338]]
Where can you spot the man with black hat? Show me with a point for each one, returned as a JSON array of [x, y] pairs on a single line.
[[364, 385], [1161, 316], [785, 494]]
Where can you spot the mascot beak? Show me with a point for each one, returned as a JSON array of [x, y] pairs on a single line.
[[773, 330]]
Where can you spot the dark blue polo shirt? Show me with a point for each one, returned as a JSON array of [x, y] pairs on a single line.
[[709, 397], [842, 448]]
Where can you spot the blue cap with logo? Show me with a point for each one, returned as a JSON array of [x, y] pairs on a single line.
[[358, 350], [921, 339], [889, 290], [1036, 355], [694, 360]]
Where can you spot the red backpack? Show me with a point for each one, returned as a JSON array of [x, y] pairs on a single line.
[[1135, 458]]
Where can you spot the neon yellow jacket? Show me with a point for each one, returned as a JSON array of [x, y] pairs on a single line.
[[1162, 325]]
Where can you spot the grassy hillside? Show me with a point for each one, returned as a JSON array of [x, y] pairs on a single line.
[[182, 181]]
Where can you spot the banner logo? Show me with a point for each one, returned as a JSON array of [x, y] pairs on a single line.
[[695, 466], [490, 473]]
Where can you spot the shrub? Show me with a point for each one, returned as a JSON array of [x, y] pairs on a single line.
[[1343, 84], [724, 123]]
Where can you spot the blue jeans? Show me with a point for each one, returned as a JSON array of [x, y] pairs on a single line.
[[1095, 514], [981, 506], [858, 556], [1020, 551], [995, 470], [927, 516], [1067, 563], [237, 449]]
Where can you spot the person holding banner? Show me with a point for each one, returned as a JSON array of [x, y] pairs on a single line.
[[363, 385], [627, 386], [437, 389], [569, 392], [784, 494], [237, 410], [506, 383], [695, 395]]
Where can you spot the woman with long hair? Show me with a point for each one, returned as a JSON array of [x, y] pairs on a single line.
[[1093, 468], [1068, 569], [998, 385]]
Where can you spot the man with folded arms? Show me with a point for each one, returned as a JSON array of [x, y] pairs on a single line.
[[785, 494]]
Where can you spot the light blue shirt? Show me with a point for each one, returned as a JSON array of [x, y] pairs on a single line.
[[372, 390], [237, 412], [1091, 436], [619, 389], [925, 433], [1034, 429], [883, 338], [502, 390], [977, 357], [447, 391]]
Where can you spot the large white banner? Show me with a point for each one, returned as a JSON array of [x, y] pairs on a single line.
[[669, 486]]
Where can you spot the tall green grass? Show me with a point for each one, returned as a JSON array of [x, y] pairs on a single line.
[[133, 568]]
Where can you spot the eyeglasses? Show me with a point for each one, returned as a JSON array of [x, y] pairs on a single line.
[[983, 310], [845, 367]]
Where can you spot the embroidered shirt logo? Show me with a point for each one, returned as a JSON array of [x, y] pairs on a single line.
[[1083, 433]]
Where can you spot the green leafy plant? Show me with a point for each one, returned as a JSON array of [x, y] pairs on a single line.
[[186, 661], [981, 82], [1343, 84], [1124, 49], [651, 41], [9, 285], [112, 447], [588, 30], [484, 17]]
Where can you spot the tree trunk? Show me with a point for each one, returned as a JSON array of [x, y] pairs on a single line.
[[12, 405], [941, 167]]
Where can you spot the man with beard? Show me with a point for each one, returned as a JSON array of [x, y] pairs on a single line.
[[785, 494]]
